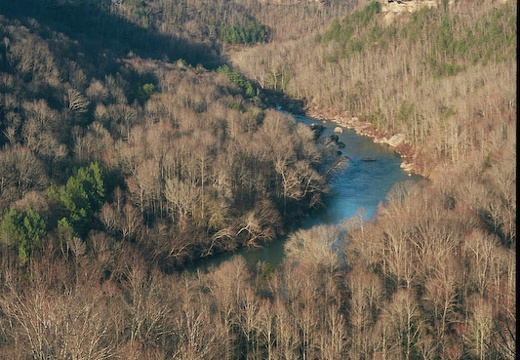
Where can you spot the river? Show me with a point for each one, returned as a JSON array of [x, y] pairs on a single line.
[[371, 172]]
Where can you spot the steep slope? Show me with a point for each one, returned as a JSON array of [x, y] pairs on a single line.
[[184, 152], [120, 161], [440, 76]]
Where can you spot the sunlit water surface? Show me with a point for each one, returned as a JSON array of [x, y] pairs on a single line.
[[358, 189]]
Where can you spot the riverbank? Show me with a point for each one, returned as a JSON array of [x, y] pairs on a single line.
[[410, 161], [358, 189]]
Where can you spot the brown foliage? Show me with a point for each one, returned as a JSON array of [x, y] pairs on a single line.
[[194, 169]]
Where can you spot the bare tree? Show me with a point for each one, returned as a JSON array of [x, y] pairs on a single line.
[[404, 323], [76, 102], [365, 291], [314, 247], [480, 326]]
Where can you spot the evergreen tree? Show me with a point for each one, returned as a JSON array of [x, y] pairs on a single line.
[[23, 231], [80, 198]]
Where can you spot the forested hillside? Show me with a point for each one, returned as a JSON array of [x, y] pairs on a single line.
[[440, 76], [185, 164], [137, 136]]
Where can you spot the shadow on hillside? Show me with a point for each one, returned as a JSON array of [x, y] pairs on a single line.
[[100, 33]]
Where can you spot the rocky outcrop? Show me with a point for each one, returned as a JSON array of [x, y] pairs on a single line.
[[396, 140], [396, 8], [409, 161]]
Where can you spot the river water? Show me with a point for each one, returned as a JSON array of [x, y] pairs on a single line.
[[371, 172]]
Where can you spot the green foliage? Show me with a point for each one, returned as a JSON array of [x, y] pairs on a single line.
[[363, 17], [144, 92], [80, 198], [332, 59], [344, 31], [11, 227], [490, 38], [498, 33], [238, 79], [334, 32], [340, 32], [354, 33], [22, 230], [356, 46], [377, 118], [413, 29], [65, 231], [376, 34], [405, 112], [148, 89], [445, 69], [444, 37], [353, 102], [138, 11], [251, 32], [454, 41]]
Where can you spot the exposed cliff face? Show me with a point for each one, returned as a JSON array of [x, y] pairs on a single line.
[[397, 8]]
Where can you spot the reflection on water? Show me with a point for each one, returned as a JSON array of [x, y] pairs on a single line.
[[359, 188], [363, 185]]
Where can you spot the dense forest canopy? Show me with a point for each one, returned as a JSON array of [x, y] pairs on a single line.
[[174, 146], [424, 75], [138, 136]]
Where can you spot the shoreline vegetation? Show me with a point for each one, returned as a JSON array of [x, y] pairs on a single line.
[[411, 163], [365, 128]]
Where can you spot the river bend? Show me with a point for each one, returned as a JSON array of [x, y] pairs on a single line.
[[371, 172]]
